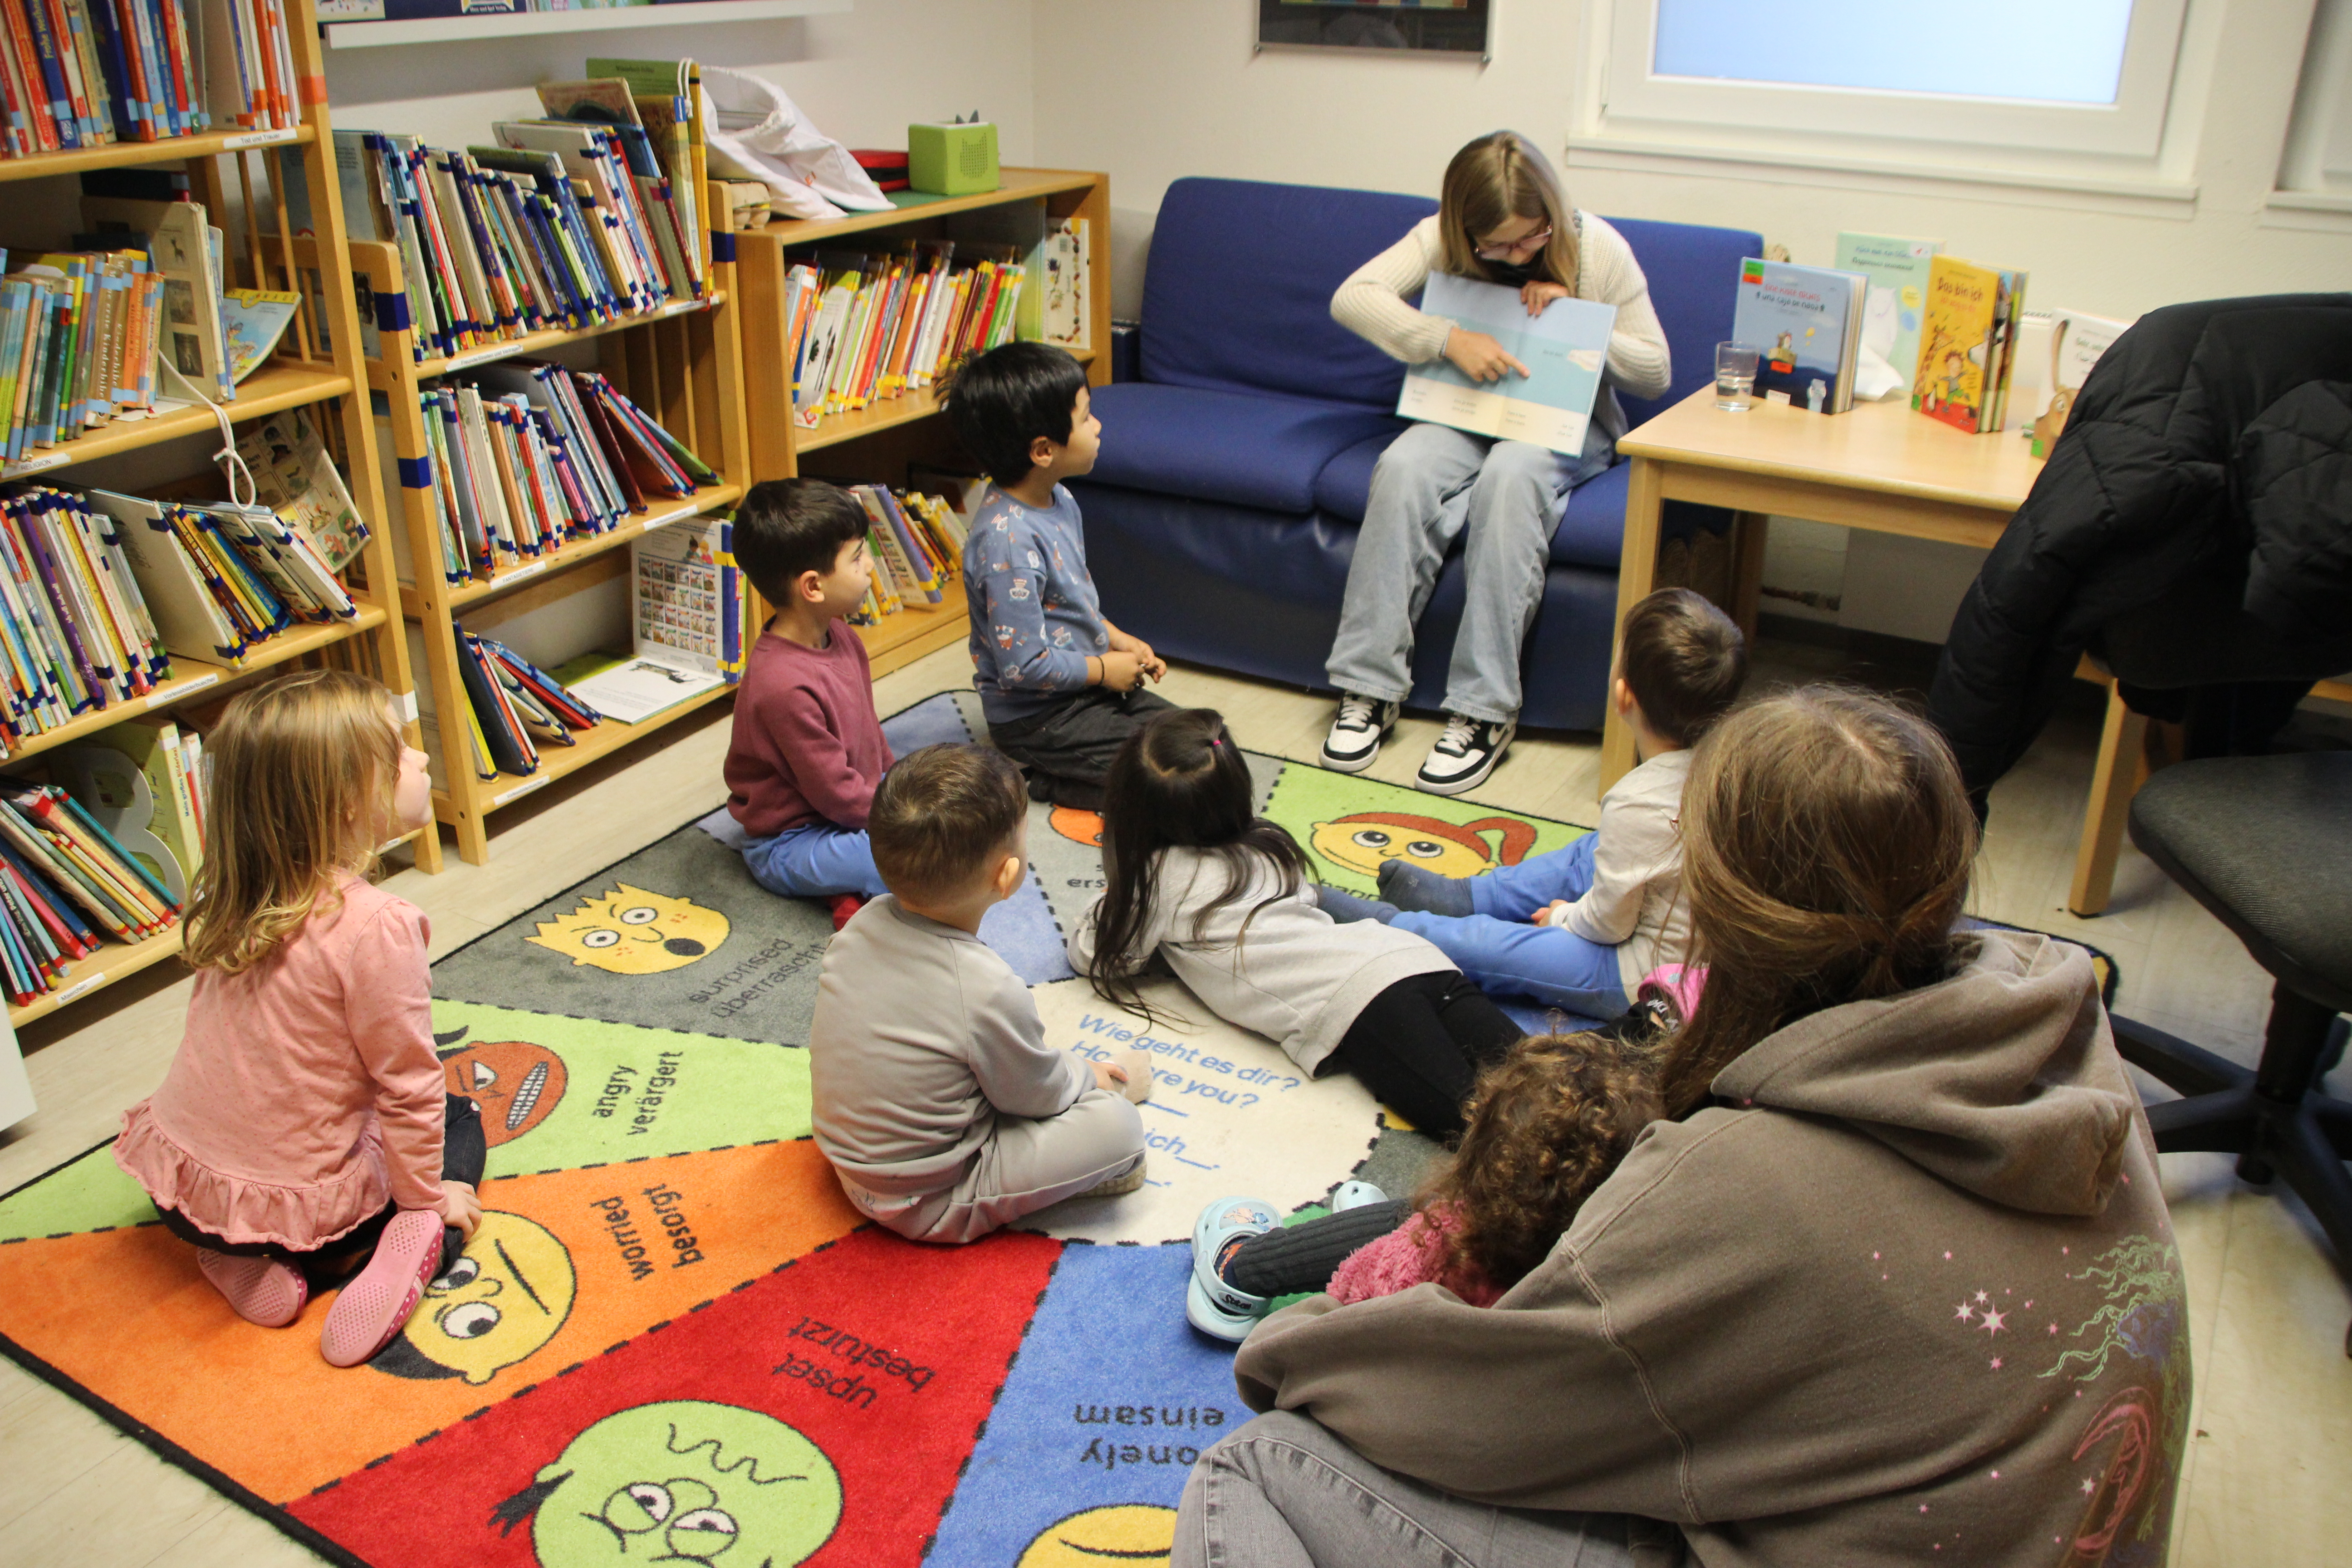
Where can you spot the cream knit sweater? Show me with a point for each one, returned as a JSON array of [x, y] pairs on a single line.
[[1371, 304]]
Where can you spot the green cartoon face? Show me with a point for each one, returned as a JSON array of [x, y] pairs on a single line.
[[688, 1481]]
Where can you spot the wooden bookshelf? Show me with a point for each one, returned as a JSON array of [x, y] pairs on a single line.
[[169, 149], [682, 364], [877, 442], [592, 745], [317, 366], [278, 385]]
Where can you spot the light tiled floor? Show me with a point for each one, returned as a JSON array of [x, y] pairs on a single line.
[[2268, 1472]]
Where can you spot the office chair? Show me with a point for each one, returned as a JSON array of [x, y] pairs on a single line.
[[2266, 843]]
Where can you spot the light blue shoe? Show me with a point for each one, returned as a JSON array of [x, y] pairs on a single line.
[[1355, 1196], [1211, 1305]]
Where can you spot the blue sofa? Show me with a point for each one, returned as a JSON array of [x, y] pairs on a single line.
[[1223, 513]]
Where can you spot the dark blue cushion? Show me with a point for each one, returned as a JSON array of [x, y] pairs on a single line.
[[1592, 531], [1238, 292], [1236, 446], [1694, 274], [1345, 487]]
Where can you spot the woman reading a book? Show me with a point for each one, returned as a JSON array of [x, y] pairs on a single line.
[[1501, 218]]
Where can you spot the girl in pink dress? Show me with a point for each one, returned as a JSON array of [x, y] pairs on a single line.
[[303, 1124]]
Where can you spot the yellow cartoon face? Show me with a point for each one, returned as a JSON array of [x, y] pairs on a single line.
[[631, 931], [492, 1307], [1134, 1534], [1360, 842]]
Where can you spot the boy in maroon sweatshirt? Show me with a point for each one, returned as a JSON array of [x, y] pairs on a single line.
[[807, 751]]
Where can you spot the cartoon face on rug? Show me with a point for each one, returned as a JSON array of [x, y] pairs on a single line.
[[1360, 842], [683, 1480], [514, 1082], [1078, 826], [496, 1306], [629, 930], [1135, 1532]]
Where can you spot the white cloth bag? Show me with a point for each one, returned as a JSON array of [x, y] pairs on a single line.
[[751, 130]]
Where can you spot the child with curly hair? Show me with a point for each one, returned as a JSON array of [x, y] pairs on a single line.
[[1545, 1125]]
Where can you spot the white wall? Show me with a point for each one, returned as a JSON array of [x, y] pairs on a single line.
[[1152, 92], [860, 76]]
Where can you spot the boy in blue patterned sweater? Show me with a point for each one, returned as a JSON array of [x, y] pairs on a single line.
[[1061, 686]]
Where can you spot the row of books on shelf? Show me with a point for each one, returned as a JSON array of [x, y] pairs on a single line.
[[915, 541], [103, 848], [93, 336], [99, 590], [1951, 333], [563, 224], [689, 607], [861, 326], [90, 73], [526, 457]]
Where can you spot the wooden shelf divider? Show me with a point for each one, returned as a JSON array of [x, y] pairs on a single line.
[[877, 442]]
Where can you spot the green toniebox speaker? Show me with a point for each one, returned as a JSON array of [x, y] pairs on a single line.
[[951, 160]]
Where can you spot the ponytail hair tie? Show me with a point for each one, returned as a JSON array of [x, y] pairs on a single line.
[[1216, 739]]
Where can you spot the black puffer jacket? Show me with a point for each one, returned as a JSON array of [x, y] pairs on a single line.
[[2196, 517]]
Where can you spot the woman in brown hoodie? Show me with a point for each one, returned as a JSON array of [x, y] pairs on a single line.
[[1897, 1284]]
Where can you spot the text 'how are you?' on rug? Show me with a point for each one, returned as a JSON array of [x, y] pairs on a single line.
[[671, 1339]]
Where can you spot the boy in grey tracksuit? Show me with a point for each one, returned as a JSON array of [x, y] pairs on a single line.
[[940, 1107]]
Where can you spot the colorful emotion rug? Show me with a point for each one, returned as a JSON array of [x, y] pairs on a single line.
[[671, 1339]]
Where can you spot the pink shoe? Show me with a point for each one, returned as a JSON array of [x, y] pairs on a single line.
[[372, 1308], [261, 1291]]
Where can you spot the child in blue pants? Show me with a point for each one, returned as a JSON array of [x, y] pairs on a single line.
[[1579, 928]]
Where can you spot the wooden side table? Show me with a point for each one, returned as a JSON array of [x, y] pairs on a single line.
[[1880, 468]]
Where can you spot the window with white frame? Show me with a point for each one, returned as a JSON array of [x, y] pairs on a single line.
[[2319, 141], [2062, 76]]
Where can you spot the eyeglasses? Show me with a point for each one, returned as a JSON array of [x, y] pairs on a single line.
[[1535, 241]]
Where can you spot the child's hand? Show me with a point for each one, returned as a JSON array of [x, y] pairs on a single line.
[[1480, 357], [1111, 1078], [1534, 296], [1122, 671], [1149, 662], [460, 1208], [1542, 917]]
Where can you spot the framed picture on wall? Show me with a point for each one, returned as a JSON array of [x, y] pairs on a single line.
[[1455, 27]]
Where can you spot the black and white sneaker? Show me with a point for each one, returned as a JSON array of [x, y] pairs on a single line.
[[1356, 735], [1465, 754]]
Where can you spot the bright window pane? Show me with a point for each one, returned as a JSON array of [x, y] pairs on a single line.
[[2061, 51]]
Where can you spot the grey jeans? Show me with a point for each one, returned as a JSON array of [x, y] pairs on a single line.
[[1433, 485], [1282, 1492]]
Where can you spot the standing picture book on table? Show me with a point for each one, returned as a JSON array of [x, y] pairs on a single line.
[[1968, 344], [1897, 302], [1564, 350], [1805, 325]]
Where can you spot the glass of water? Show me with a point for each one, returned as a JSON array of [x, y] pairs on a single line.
[[1735, 377]]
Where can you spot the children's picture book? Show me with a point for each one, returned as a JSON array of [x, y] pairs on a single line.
[[687, 609], [633, 690], [2078, 338], [1898, 270], [1805, 325], [131, 781], [1564, 350], [252, 323], [294, 475], [1965, 342]]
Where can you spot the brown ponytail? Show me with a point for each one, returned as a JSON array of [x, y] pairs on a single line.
[[1827, 846]]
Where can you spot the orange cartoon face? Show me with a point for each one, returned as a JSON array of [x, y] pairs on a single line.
[[1078, 826], [1359, 843], [515, 1083], [629, 930]]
